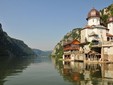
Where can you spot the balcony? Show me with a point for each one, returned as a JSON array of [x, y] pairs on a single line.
[[104, 44], [107, 44], [96, 43]]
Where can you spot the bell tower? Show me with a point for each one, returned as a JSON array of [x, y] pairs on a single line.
[[93, 17]]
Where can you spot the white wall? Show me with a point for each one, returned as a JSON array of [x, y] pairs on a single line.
[[85, 35], [99, 31], [86, 48], [110, 27], [102, 34], [110, 50], [94, 21], [72, 57]]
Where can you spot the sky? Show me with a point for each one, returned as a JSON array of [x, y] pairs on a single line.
[[42, 24]]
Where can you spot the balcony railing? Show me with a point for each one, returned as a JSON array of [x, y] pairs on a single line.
[[71, 48]]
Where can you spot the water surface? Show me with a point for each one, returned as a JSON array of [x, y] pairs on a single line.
[[40, 71], [46, 71]]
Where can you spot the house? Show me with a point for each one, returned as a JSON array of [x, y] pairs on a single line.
[[97, 39], [70, 49]]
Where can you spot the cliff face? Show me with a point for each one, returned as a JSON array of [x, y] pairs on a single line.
[[74, 34], [105, 13], [12, 47]]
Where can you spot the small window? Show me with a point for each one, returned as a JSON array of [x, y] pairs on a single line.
[[107, 38]]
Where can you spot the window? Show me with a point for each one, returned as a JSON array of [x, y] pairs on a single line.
[[107, 38]]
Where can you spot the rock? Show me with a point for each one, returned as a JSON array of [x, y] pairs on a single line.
[[12, 47]]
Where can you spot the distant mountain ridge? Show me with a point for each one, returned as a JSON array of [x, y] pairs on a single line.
[[42, 53], [12, 47]]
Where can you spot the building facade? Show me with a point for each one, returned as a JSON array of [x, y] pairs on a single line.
[[71, 51], [97, 38], [96, 42]]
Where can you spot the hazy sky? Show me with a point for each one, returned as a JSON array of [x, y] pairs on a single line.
[[43, 23]]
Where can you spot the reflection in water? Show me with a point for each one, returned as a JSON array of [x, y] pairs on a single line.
[[81, 73], [39, 71], [12, 67]]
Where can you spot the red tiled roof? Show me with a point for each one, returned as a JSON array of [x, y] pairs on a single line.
[[74, 45], [71, 42]]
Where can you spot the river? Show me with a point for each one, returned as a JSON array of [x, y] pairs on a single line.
[[47, 71]]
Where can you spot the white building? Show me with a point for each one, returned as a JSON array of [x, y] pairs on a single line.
[[97, 34]]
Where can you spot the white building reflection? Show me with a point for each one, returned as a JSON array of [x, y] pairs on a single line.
[[88, 73]]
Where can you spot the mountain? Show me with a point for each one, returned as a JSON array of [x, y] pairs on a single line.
[[12, 47], [42, 53], [75, 33]]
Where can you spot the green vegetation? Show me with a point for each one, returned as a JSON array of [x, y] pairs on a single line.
[[106, 13], [58, 50], [104, 20]]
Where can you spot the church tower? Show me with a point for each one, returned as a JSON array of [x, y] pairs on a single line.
[[110, 25], [93, 17]]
